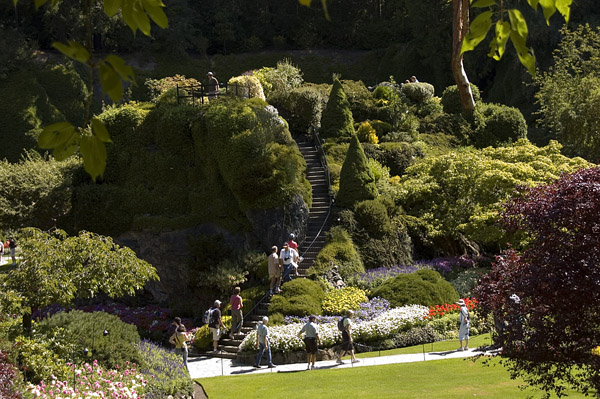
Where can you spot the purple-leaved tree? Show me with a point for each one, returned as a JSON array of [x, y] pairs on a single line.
[[546, 299]]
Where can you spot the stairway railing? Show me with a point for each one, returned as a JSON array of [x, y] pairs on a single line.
[[314, 137]]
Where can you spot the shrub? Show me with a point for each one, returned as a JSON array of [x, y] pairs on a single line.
[[396, 156], [348, 298], [39, 361], [245, 86], [431, 106], [424, 287], [118, 347], [385, 93], [283, 78], [451, 98], [366, 133], [300, 297], [465, 281], [374, 278], [502, 125], [203, 338], [336, 119], [418, 92], [339, 251], [157, 87], [301, 107], [357, 182], [372, 215], [381, 128], [164, 371], [417, 336]]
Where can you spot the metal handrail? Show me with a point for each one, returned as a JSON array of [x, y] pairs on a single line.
[[323, 158], [199, 91]]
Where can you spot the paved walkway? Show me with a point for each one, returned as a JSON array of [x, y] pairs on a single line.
[[201, 367]]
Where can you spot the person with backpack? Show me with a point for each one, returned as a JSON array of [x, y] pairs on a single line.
[[465, 323], [274, 271], [173, 328], [215, 324], [345, 326], [288, 258], [237, 317], [311, 340]]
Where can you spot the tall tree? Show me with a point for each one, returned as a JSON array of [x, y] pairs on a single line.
[[336, 120], [460, 28], [545, 299], [56, 268], [357, 182]]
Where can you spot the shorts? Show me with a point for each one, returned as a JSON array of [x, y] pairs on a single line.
[[346, 344], [275, 275], [463, 332], [216, 333], [311, 345]]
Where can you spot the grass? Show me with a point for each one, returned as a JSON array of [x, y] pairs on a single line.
[[448, 379], [441, 346]]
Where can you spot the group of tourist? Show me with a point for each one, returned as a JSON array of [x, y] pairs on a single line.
[[284, 265], [9, 245]]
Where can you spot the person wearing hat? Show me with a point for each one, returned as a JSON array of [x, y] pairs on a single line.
[[213, 86], [311, 340], [216, 324], [262, 341], [288, 258], [293, 244], [463, 332]]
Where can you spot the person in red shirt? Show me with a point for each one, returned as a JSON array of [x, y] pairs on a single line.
[[237, 318], [291, 243]]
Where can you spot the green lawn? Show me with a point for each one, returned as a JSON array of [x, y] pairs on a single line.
[[441, 346], [447, 379]]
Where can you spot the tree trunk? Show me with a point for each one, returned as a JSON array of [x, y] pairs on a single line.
[[460, 27], [27, 324]]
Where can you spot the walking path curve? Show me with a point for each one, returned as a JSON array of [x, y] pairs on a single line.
[[202, 367]]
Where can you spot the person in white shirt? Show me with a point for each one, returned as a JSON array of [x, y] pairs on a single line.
[[465, 323], [288, 258]]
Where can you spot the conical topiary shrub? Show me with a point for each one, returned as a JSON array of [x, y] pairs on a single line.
[[336, 120], [356, 180]]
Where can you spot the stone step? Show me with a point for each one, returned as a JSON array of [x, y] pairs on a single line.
[[230, 342], [230, 349]]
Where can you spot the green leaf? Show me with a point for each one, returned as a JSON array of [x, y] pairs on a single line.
[[93, 152], [111, 7], [100, 131], [37, 3], [127, 14], [549, 8], [564, 8], [73, 50], [477, 32], [158, 16], [525, 54], [119, 65], [305, 2], [498, 45], [53, 135], [484, 3], [111, 82], [141, 19], [518, 23], [533, 3]]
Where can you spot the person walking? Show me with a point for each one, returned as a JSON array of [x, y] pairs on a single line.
[[262, 341], [213, 86], [291, 243], [465, 323], [347, 343], [274, 271], [173, 328], [311, 340], [215, 324], [288, 258], [12, 245], [179, 339], [237, 317]]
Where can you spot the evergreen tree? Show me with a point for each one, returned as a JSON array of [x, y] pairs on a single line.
[[356, 179], [337, 120]]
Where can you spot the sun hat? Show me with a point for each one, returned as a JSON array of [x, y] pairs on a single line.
[[217, 303], [460, 302], [209, 74], [292, 236]]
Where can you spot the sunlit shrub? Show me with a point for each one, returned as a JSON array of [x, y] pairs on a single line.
[[337, 301]]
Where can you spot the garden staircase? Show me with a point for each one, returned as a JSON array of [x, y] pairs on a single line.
[[317, 173], [228, 347]]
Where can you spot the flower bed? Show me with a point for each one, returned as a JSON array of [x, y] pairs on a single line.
[[92, 381], [366, 311], [284, 338], [448, 308]]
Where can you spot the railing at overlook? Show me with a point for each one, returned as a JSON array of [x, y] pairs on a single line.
[[201, 93]]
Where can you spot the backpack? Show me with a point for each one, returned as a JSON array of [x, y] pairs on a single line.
[[207, 318], [341, 324]]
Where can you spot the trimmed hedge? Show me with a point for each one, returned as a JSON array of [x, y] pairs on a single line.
[[424, 287], [336, 120], [299, 297], [356, 179], [451, 98], [418, 93], [341, 251], [502, 125]]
